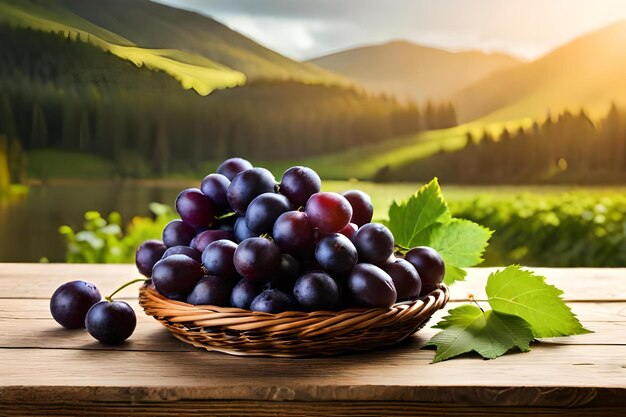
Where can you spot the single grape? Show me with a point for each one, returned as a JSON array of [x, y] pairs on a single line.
[[247, 185], [183, 250], [217, 258], [148, 254], [241, 230], [233, 166], [329, 212], [300, 183], [336, 254], [202, 240], [286, 276], [175, 276], [349, 230], [264, 210], [178, 233], [374, 242], [245, 292], [370, 286], [71, 301], [111, 322], [195, 208], [214, 186], [272, 301], [257, 258], [429, 266], [293, 232], [405, 278], [316, 291], [362, 207], [211, 290], [227, 224]]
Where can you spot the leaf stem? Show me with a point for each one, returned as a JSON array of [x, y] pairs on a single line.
[[472, 299], [110, 297]]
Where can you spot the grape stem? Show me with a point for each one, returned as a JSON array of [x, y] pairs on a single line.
[[110, 297], [472, 299]]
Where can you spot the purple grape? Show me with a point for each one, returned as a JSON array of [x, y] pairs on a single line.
[[148, 254], [202, 240], [217, 258], [362, 207], [257, 258], [299, 184], [286, 276], [211, 290], [405, 278], [336, 254], [429, 266], [233, 166], [183, 250], [349, 230], [175, 276], [178, 233], [247, 185], [227, 224], [370, 286], [245, 292], [316, 291], [329, 212], [241, 230], [264, 210], [215, 186], [272, 301], [111, 322], [293, 232], [195, 208], [71, 301], [374, 242]]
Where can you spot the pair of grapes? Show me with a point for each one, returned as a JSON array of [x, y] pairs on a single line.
[[245, 241]]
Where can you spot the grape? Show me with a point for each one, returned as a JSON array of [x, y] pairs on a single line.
[[362, 207], [241, 230], [287, 274], [316, 291], [429, 266], [405, 278], [71, 301], [111, 322], [217, 258], [183, 250], [245, 292], [147, 254], [177, 233], [214, 186], [203, 239], [264, 210], [374, 242], [336, 254], [349, 230], [227, 224], [175, 276], [195, 208], [257, 258], [272, 301], [370, 286], [233, 166], [329, 212], [298, 184], [293, 232], [247, 185], [211, 290]]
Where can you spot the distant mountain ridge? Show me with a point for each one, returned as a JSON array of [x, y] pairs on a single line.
[[413, 71]]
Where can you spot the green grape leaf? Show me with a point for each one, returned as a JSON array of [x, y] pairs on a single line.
[[522, 293], [490, 333], [409, 219]]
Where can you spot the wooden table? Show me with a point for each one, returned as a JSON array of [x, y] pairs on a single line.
[[45, 369]]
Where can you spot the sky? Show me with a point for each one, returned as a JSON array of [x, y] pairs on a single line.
[[304, 29]]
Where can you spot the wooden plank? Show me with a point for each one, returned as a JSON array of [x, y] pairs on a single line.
[[40, 280], [27, 324]]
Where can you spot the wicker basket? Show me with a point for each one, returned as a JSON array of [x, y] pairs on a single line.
[[290, 334]]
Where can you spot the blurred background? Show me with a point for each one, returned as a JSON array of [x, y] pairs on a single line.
[[109, 108]]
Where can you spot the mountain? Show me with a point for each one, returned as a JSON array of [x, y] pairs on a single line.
[[414, 71], [586, 72]]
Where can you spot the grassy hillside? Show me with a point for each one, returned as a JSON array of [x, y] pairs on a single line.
[[587, 72], [414, 71]]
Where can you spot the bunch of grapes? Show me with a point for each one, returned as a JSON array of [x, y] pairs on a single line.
[[246, 241]]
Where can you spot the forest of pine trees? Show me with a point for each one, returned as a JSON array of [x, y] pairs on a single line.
[[60, 93], [570, 148]]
